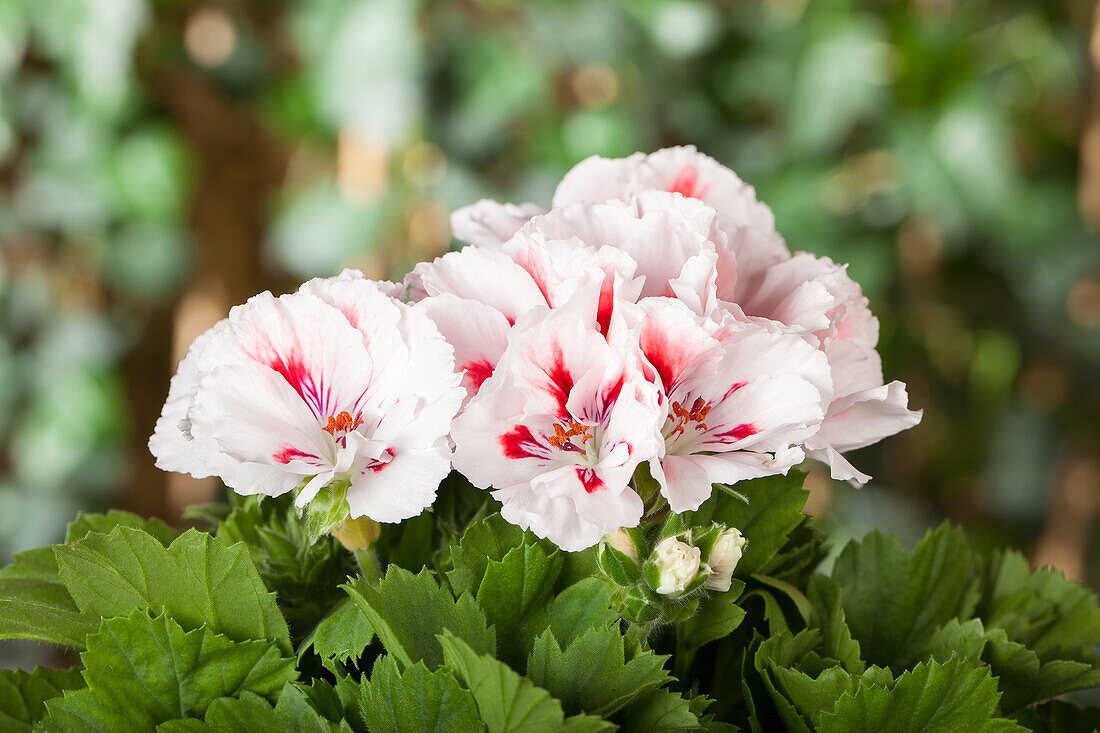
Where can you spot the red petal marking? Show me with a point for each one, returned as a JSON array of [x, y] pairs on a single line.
[[294, 371], [519, 443], [611, 393], [289, 453], [379, 465], [664, 355], [477, 372], [561, 382], [589, 479], [606, 305], [687, 183], [733, 388], [739, 432]]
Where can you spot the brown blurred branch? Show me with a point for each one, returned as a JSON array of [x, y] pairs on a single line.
[[1074, 500], [239, 165], [1089, 188]]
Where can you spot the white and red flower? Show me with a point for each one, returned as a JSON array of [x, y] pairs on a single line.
[[560, 427], [339, 381], [652, 316], [740, 399], [599, 254], [817, 299], [476, 295], [752, 243], [661, 233], [489, 223]]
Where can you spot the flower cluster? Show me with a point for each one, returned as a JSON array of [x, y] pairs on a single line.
[[339, 387], [652, 316], [651, 321], [660, 576]]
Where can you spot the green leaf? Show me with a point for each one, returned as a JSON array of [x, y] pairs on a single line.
[[964, 640], [142, 671], [408, 611], [577, 566], [38, 622], [410, 543], [250, 712], [582, 606], [513, 593], [718, 617], [85, 524], [35, 605], [893, 601], [197, 581], [505, 701], [416, 700], [773, 510], [792, 596], [342, 635], [828, 615], [781, 651], [23, 695], [812, 697], [37, 564], [931, 698], [488, 539], [1054, 617], [659, 710], [780, 616], [1024, 680], [305, 576], [592, 674], [617, 565], [1059, 716], [799, 557]]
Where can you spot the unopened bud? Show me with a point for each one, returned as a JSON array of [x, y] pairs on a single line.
[[357, 534], [678, 563], [621, 541], [723, 559]]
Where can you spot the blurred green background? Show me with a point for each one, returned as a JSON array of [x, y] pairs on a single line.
[[161, 161]]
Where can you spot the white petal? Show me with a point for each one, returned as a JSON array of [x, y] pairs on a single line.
[[172, 443], [483, 275], [478, 333], [489, 223], [866, 417], [401, 488], [683, 482], [840, 468]]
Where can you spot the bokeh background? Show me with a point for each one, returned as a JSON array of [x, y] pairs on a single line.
[[161, 161]]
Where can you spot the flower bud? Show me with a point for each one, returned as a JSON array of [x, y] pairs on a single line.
[[621, 541], [617, 557], [357, 534], [723, 559], [678, 564]]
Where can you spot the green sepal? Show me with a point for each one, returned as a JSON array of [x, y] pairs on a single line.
[[328, 509], [618, 566], [704, 539]]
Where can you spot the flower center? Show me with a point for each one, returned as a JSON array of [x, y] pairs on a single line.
[[340, 425], [563, 437], [681, 417]]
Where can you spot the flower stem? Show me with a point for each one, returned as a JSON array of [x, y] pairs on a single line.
[[369, 566], [683, 658]]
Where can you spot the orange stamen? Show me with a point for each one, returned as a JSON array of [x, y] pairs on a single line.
[[343, 423]]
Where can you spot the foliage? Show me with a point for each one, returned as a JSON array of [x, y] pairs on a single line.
[[500, 631], [933, 147]]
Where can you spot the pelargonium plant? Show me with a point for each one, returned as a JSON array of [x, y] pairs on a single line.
[[548, 483]]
